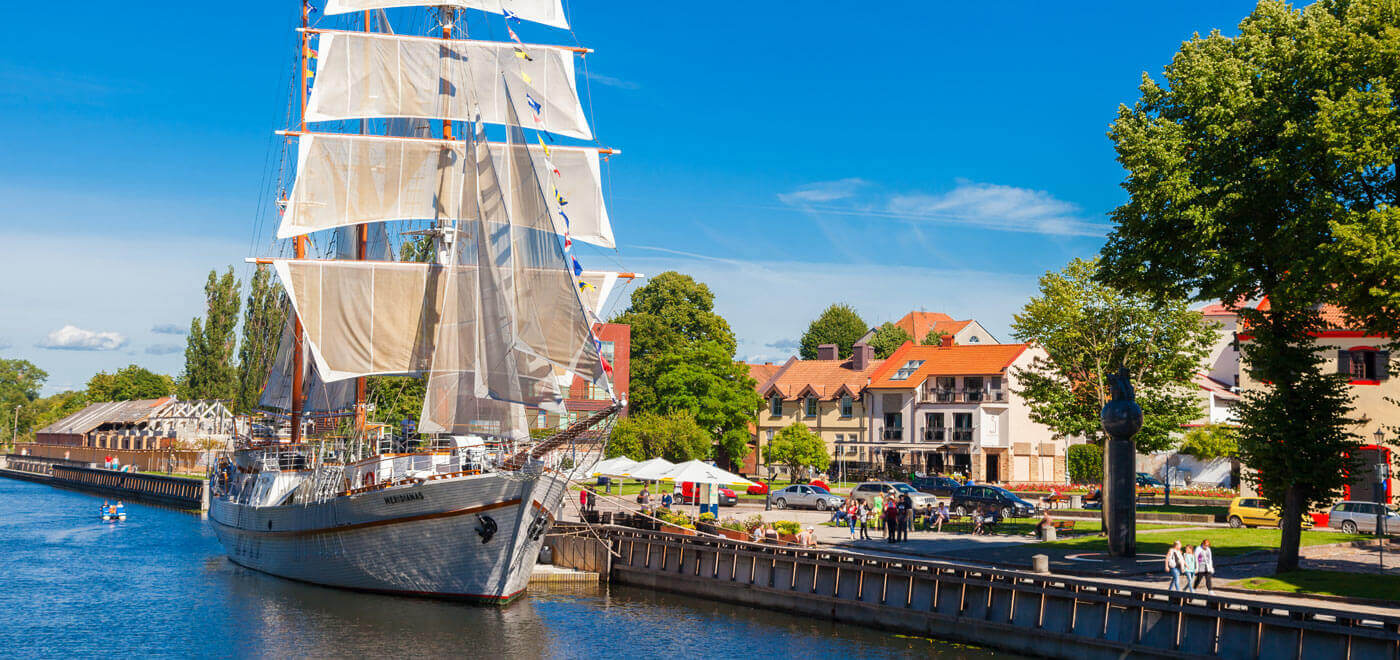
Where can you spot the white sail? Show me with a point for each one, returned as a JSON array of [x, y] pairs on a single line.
[[363, 75], [344, 180], [363, 318], [546, 12]]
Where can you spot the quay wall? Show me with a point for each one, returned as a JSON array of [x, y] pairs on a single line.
[[160, 489], [142, 459], [1022, 612]]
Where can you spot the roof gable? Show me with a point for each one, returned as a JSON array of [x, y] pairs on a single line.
[[921, 362]]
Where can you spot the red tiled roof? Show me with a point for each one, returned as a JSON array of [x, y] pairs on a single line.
[[1332, 316], [762, 372], [1212, 385], [958, 360], [918, 324], [1216, 309], [827, 379]]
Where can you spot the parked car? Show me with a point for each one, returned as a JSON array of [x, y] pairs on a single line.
[[971, 498], [758, 488], [867, 491], [1145, 479], [936, 485], [1352, 517], [1255, 512], [804, 496], [685, 494]]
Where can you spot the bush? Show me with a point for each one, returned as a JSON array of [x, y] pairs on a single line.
[[787, 527], [734, 524], [753, 522], [707, 517], [1085, 463]]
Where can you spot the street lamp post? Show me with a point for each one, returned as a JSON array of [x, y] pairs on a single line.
[[1383, 508], [14, 429]]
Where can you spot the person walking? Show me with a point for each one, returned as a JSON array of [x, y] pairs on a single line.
[[1188, 567], [582, 499], [864, 520], [879, 507], [592, 501], [906, 517], [852, 513], [890, 518], [1205, 566], [1174, 565]]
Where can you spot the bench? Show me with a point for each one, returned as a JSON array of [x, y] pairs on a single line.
[[1063, 525]]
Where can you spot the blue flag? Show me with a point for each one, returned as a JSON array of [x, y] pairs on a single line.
[[578, 268], [534, 105]]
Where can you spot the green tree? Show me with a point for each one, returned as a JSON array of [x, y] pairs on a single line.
[[840, 325], [888, 338], [209, 369], [1084, 463], [1256, 170], [1210, 442], [1088, 330], [129, 383], [797, 448], [934, 337], [675, 436], [20, 382], [47, 410], [395, 398], [263, 318], [683, 360]]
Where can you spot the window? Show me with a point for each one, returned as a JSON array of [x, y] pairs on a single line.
[[775, 405], [973, 339], [847, 405], [607, 351], [840, 438], [972, 387], [933, 427], [811, 406], [1364, 364], [907, 370]]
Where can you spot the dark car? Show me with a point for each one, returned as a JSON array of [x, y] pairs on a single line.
[[936, 485], [968, 499], [1145, 479]]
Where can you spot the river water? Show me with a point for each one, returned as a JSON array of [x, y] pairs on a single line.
[[159, 585]]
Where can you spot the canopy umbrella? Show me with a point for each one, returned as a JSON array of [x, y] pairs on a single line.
[[613, 467], [701, 472], [649, 470]]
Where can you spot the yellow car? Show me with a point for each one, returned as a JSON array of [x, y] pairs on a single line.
[[1255, 512]]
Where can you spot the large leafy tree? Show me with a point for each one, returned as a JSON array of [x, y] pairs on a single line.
[[840, 325], [676, 437], [683, 360], [20, 382], [798, 448], [263, 317], [128, 384], [1263, 167], [887, 339], [1089, 330], [209, 369]]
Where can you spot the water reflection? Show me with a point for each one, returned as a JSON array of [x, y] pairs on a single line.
[[158, 585]]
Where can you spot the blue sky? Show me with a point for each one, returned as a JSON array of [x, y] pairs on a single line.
[[935, 156]]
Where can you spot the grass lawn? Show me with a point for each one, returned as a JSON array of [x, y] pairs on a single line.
[[1225, 541], [1217, 511], [1328, 583], [1026, 527]]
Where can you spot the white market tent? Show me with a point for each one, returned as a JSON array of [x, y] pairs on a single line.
[[653, 469], [613, 467], [700, 472]]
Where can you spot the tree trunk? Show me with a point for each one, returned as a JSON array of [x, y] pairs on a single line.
[[1292, 530]]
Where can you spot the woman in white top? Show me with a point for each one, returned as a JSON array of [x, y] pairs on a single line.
[[1174, 565], [1205, 566]]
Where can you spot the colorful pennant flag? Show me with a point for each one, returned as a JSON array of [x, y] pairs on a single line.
[[559, 197], [526, 77], [534, 105], [513, 36], [584, 286], [543, 146], [566, 219], [578, 268], [520, 53], [511, 17]]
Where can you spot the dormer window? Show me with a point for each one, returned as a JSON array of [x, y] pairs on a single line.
[[847, 405], [811, 406], [775, 406]]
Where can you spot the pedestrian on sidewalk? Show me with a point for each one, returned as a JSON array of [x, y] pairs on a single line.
[[852, 513], [592, 501], [890, 518], [864, 520], [879, 507], [583, 499], [906, 515], [1174, 565], [1205, 566], [1188, 567]]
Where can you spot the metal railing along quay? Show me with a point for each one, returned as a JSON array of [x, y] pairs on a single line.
[[1024, 612], [177, 491]]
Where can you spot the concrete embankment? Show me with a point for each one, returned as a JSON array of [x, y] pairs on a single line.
[[159, 489], [1018, 611]]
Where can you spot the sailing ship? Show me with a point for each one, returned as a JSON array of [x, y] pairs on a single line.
[[498, 321]]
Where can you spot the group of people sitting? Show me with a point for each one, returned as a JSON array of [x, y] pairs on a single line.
[[806, 538], [110, 510]]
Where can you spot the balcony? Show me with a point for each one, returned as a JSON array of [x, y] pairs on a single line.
[[894, 433], [934, 435], [964, 396], [963, 436]]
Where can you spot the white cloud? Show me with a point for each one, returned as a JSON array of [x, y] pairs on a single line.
[[169, 329], [609, 81], [788, 344], [164, 349], [73, 338], [969, 203], [4, 344], [823, 191]]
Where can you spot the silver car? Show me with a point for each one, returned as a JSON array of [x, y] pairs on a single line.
[[803, 496], [869, 489], [1351, 517]]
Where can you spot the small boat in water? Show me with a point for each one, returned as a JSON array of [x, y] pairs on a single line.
[[112, 513]]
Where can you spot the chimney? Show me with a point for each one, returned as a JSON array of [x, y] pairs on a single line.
[[861, 357], [947, 341], [828, 352]]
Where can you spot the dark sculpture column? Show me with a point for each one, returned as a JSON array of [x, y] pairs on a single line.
[[1121, 417]]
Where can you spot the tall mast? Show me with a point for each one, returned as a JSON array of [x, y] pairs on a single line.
[[299, 246], [361, 253]]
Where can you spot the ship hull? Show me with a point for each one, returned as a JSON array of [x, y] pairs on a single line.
[[472, 538]]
